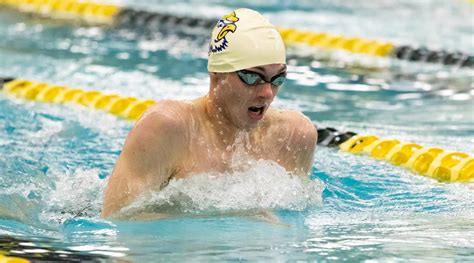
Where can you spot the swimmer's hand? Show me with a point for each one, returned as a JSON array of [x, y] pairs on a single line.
[[144, 216], [269, 217], [263, 215]]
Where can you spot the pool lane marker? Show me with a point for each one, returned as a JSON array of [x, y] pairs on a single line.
[[428, 161], [109, 14], [7, 259], [66, 9], [125, 107]]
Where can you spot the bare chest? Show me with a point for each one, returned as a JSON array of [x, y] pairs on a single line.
[[207, 154]]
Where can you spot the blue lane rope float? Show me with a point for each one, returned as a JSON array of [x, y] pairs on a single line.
[[109, 14], [428, 161]]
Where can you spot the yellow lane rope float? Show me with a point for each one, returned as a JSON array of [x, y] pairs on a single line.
[[5, 259], [111, 14], [67, 9], [22, 250], [432, 162], [125, 107], [429, 161], [322, 40]]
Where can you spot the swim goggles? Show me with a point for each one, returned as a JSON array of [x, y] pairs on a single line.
[[253, 78]]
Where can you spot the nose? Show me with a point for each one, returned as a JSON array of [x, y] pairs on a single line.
[[266, 91]]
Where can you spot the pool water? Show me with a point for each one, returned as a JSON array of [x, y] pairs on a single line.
[[55, 159]]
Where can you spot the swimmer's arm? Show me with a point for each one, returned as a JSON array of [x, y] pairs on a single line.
[[307, 161], [147, 161], [307, 155], [304, 144]]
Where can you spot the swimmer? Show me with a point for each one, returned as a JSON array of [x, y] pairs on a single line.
[[176, 139]]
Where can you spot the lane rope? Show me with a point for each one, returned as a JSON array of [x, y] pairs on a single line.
[[432, 162], [114, 15], [125, 107], [428, 161], [66, 9], [8, 259], [23, 250]]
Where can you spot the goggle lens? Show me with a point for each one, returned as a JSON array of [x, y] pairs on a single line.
[[253, 78]]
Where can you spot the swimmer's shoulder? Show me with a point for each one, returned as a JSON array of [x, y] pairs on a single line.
[[170, 108], [290, 117], [297, 122], [167, 118], [172, 111]]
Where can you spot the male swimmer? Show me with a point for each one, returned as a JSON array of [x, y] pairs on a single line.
[[176, 139]]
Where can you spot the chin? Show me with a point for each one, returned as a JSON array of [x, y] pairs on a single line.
[[246, 122], [250, 124]]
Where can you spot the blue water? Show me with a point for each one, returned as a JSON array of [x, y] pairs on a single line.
[[55, 159]]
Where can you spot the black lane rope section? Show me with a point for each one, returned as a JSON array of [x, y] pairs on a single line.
[[96, 13], [423, 54], [138, 18], [331, 137], [4, 80]]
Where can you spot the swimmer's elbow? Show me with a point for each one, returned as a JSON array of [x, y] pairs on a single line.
[[123, 186], [112, 199], [108, 209], [106, 213], [114, 202]]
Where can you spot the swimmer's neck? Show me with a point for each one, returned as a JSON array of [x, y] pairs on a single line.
[[224, 127]]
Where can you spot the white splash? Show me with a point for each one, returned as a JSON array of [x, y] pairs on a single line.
[[264, 185], [74, 194]]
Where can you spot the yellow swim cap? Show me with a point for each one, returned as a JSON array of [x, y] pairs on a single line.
[[244, 39]]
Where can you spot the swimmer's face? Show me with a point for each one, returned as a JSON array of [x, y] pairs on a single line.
[[244, 104]]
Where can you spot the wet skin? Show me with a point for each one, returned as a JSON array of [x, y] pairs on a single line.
[[176, 139]]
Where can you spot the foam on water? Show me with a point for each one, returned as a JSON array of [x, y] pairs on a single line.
[[77, 194], [248, 185], [263, 185], [58, 196], [55, 198]]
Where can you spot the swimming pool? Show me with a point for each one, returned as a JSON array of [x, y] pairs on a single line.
[[54, 158]]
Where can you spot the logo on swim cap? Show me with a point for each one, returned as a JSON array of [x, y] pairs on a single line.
[[226, 25]]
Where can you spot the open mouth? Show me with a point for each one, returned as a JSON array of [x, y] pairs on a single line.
[[256, 112]]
